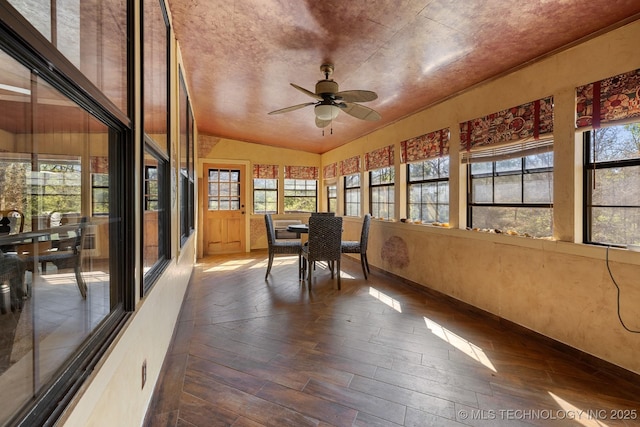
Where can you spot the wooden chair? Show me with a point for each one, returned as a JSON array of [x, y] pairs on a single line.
[[360, 247], [280, 246], [325, 237], [65, 253]]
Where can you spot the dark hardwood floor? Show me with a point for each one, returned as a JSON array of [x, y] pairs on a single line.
[[250, 352]]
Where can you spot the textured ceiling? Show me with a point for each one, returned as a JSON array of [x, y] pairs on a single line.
[[240, 56]]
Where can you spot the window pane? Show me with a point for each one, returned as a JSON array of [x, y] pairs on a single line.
[[538, 187], [509, 165], [537, 161], [92, 35], [155, 73], [481, 168], [615, 143], [616, 225], [536, 222], [508, 189], [482, 190], [61, 289], [617, 186]]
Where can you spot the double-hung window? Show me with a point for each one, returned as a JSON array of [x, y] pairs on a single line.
[[265, 195], [382, 192], [300, 195], [352, 195], [332, 198], [509, 157], [428, 190], [612, 158], [300, 189], [612, 185], [513, 195]]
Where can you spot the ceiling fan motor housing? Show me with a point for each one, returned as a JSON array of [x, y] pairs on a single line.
[[328, 87]]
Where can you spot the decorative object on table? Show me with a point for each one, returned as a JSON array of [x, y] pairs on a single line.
[[360, 247], [325, 237], [280, 246], [330, 101]]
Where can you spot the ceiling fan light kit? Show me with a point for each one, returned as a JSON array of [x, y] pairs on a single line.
[[326, 111], [330, 101]]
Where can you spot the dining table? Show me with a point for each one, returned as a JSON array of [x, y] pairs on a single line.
[[299, 229]]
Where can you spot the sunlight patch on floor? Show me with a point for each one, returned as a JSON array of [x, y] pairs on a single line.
[[395, 304], [465, 346], [587, 418], [230, 265]]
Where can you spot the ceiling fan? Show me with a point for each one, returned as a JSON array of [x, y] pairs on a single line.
[[330, 101]]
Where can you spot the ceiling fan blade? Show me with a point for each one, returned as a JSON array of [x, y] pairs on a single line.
[[308, 92], [292, 108], [322, 123], [361, 112], [356, 95]]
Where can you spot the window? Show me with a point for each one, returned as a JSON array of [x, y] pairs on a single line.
[[265, 196], [612, 185], [100, 194], [50, 187], [428, 190], [187, 187], [155, 217], [512, 195], [382, 191], [332, 198], [352, 195], [300, 195], [224, 190], [156, 228]]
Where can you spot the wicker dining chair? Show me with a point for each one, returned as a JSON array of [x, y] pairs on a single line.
[[325, 236], [281, 246], [360, 247]]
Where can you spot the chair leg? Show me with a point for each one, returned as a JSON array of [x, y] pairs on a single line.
[[338, 273], [364, 269], [366, 262], [81, 283], [269, 266], [310, 277]]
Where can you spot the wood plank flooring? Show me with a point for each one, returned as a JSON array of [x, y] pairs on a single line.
[[250, 352]]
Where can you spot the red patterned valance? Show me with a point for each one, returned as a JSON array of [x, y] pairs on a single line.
[[618, 99], [380, 158], [330, 171], [300, 172], [265, 171], [518, 124], [350, 166], [427, 146], [99, 164]]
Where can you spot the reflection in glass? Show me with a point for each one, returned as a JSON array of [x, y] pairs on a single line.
[[91, 34], [54, 237]]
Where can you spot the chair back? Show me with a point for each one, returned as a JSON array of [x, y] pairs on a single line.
[[11, 221], [271, 231], [323, 214], [325, 238], [364, 235]]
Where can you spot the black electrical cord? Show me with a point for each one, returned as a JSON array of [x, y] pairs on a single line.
[[618, 289]]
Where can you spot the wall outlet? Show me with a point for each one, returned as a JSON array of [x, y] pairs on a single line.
[[144, 372]]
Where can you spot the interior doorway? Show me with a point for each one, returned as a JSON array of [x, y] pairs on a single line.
[[224, 208]]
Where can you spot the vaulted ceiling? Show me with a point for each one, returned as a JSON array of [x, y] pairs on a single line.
[[240, 56]]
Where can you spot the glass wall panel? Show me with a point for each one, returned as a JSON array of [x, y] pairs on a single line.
[[155, 73], [54, 235], [91, 34]]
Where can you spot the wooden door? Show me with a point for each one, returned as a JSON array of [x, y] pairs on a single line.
[[224, 210]]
